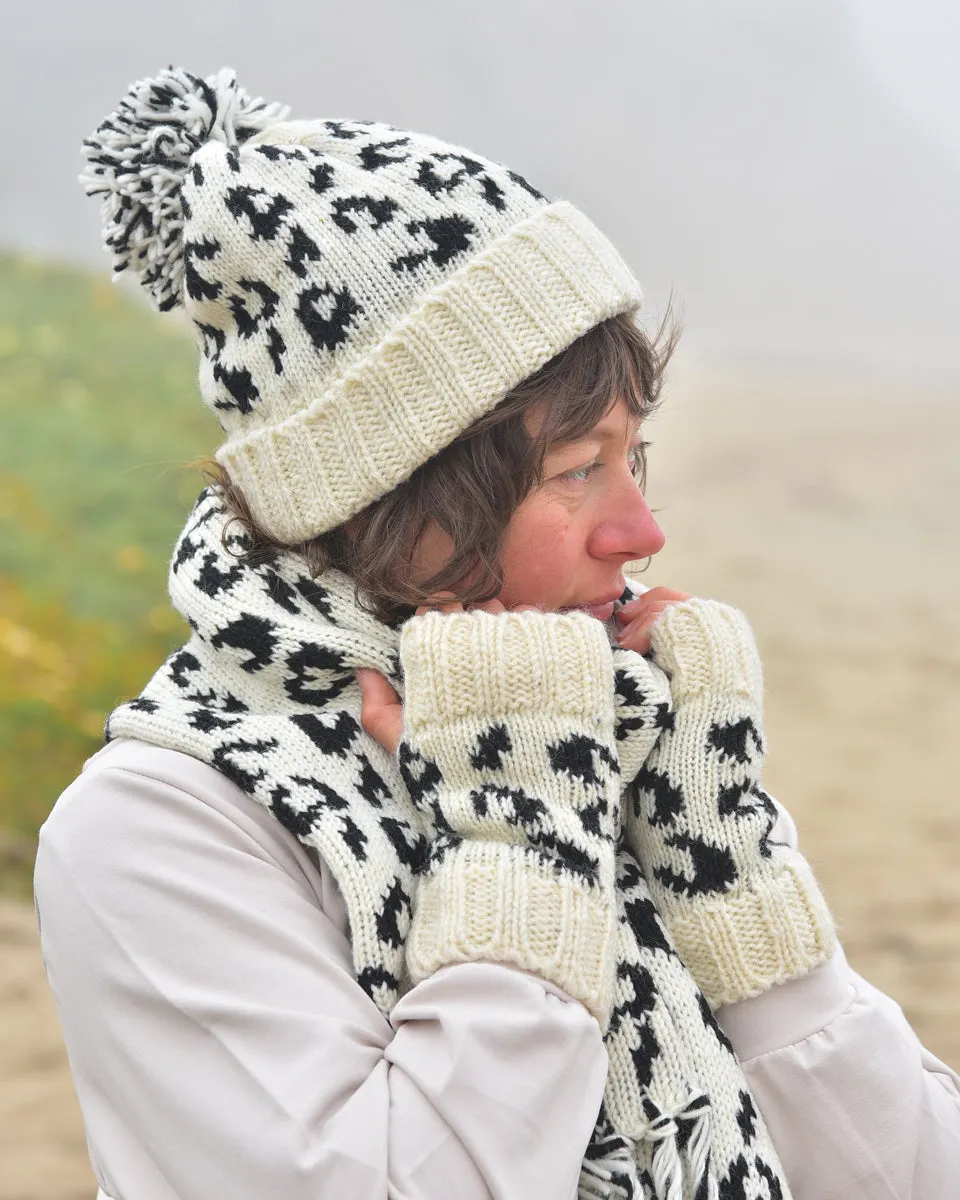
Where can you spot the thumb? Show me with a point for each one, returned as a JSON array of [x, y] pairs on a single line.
[[381, 710]]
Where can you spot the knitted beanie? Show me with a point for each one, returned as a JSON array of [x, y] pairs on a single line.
[[359, 294]]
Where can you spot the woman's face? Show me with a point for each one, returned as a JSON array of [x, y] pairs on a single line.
[[567, 543]]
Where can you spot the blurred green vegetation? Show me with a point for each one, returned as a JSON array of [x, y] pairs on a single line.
[[99, 425]]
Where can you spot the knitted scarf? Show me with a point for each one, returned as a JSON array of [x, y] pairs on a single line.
[[264, 692]]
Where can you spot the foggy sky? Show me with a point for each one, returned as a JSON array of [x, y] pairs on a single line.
[[745, 156]]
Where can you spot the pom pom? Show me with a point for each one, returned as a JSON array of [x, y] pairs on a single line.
[[138, 159]]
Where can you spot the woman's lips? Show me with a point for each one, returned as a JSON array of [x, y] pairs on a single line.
[[603, 612]]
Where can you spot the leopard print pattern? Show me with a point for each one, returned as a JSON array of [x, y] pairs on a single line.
[[264, 692]]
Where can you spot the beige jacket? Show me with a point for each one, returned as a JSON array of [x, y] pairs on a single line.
[[221, 1047]]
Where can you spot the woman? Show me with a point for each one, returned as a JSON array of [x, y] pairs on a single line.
[[437, 861]]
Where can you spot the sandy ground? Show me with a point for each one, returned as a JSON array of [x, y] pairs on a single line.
[[828, 516]]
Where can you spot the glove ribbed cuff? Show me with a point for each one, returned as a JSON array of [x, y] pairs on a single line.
[[775, 928], [707, 646], [496, 903], [480, 664]]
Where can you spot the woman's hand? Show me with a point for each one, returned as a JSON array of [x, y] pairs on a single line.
[[381, 710], [639, 616]]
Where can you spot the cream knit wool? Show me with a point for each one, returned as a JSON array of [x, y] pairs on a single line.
[[744, 912], [521, 869], [359, 294], [264, 692]]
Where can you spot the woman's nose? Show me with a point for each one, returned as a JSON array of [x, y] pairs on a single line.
[[629, 529]]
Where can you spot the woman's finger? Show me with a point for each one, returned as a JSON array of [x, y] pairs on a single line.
[[658, 595], [381, 710], [636, 636], [444, 602]]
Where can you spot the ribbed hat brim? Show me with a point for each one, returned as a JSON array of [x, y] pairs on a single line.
[[521, 300]]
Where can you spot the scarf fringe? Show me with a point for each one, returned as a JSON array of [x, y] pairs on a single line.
[[678, 1172]]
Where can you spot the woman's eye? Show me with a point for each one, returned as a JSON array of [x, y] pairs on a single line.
[[581, 474]]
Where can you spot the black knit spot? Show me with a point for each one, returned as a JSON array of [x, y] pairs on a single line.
[[408, 844], [316, 675], [711, 1022], [371, 785], [316, 596], [665, 718], [442, 846], [729, 799], [628, 689], [301, 249], [374, 980], [263, 211], [491, 745], [214, 340], [575, 756], [354, 837], [381, 212], [199, 288], [645, 1053], [281, 153], [372, 156], [646, 924], [187, 550], [527, 187], [493, 193], [257, 635], [730, 740], [302, 822], [322, 178], [330, 800], [572, 858], [212, 581], [420, 774], [250, 311], [245, 779], [667, 800], [142, 704], [238, 382], [714, 870], [595, 818], [747, 1118], [514, 806], [207, 721], [327, 314], [340, 129], [393, 917], [733, 1185], [276, 348], [179, 664], [432, 181], [766, 1172], [279, 591], [330, 738], [449, 236]]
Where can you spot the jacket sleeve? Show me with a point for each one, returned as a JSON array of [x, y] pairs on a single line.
[[856, 1106], [221, 1045]]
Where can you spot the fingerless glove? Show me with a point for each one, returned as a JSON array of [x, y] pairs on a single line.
[[509, 754], [744, 912]]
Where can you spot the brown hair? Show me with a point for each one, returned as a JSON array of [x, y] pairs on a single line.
[[473, 486]]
